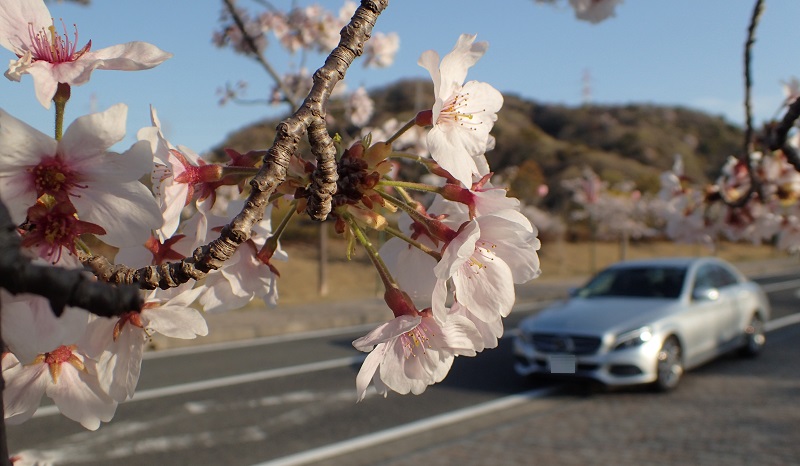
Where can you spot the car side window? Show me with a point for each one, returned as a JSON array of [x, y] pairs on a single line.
[[704, 278], [723, 277]]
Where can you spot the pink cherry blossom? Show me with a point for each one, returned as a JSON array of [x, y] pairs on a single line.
[[381, 49], [103, 186], [411, 352], [463, 114], [484, 260], [178, 174], [119, 343], [27, 29], [594, 11], [360, 107], [64, 374], [48, 355], [245, 276]]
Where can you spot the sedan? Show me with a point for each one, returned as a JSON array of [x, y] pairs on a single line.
[[646, 322]]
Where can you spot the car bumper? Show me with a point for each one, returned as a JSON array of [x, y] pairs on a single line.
[[630, 366]]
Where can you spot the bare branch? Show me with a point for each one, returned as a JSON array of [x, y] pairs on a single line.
[[288, 95], [748, 81], [272, 173]]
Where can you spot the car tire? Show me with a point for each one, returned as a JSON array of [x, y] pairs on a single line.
[[754, 338], [669, 365]]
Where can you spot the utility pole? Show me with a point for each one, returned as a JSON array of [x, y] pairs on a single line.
[[586, 87]]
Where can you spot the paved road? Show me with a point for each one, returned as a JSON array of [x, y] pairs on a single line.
[[249, 403]]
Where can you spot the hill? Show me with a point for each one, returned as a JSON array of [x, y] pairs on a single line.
[[539, 142]]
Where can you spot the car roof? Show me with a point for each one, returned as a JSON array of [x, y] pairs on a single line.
[[665, 262]]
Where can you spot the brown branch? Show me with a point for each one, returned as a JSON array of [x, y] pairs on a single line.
[[755, 184], [748, 80], [273, 171], [323, 180], [61, 287]]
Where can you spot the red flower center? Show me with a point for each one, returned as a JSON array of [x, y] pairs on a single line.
[[47, 45], [52, 176]]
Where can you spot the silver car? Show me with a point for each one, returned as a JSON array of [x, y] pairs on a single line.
[[646, 321]]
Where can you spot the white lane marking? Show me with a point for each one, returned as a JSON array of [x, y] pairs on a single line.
[[235, 344], [190, 387], [422, 425], [780, 286], [782, 322]]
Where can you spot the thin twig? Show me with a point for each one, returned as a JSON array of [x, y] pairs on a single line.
[[288, 95], [748, 80], [755, 185]]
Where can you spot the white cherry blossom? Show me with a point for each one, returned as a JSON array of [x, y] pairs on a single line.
[[463, 114], [103, 186], [484, 260], [411, 352], [28, 30]]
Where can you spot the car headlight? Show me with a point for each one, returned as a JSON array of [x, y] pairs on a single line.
[[632, 338]]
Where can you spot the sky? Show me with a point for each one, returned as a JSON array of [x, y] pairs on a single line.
[[676, 52]]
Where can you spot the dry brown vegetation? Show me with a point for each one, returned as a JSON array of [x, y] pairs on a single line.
[[560, 260]]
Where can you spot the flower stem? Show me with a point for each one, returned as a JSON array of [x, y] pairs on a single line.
[[402, 130], [271, 244], [410, 185], [60, 99], [427, 250], [436, 229], [383, 271]]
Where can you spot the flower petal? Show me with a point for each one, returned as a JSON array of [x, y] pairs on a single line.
[[385, 332], [90, 136]]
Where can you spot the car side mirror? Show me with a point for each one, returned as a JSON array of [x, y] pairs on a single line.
[[705, 293]]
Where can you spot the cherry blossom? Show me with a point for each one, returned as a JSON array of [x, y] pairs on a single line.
[[594, 11], [411, 352], [484, 260], [381, 49], [463, 114], [64, 374], [122, 340], [360, 107], [52, 229], [103, 186], [48, 355], [245, 275], [178, 174], [27, 29]]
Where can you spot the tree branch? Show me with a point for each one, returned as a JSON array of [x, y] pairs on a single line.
[[273, 171], [288, 94]]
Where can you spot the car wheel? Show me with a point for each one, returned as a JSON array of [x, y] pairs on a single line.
[[669, 366], [754, 338]]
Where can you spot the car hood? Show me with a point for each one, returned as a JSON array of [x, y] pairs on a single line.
[[596, 316]]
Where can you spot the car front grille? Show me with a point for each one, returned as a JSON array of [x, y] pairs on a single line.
[[565, 344]]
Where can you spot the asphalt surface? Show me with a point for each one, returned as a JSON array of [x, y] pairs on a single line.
[[288, 400]]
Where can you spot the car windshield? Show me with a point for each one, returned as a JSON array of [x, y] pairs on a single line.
[[638, 281]]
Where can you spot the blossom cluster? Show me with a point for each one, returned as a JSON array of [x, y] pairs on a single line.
[[703, 213], [449, 272], [62, 190], [616, 212], [451, 267]]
